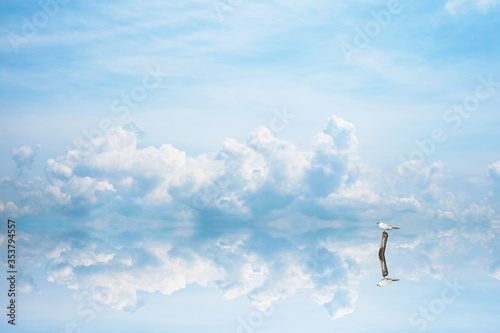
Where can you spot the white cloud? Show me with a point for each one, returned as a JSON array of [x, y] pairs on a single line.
[[116, 275], [234, 180], [84, 189], [485, 5], [24, 156], [26, 283], [262, 190], [338, 292], [495, 171], [252, 274], [115, 278], [495, 272], [455, 7], [13, 210]]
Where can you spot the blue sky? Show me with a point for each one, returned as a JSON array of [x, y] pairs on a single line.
[[220, 166]]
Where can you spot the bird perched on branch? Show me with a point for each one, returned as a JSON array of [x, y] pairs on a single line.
[[386, 226]]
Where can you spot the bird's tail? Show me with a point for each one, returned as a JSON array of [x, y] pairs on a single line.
[[395, 228]]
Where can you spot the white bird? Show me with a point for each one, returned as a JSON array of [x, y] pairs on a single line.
[[385, 281], [386, 226]]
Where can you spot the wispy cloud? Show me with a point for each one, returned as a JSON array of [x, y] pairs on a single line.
[[455, 7]]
